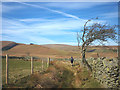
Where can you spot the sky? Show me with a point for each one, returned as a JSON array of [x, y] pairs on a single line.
[[53, 22]]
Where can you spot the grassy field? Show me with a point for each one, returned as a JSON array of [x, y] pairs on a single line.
[[20, 68], [60, 74]]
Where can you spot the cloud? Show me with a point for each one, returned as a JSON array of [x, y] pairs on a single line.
[[74, 5], [34, 20], [43, 30], [45, 26], [68, 43], [38, 30], [31, 30], [110, 15], [107, 43], [59, 26], [7, 8], [42, 40], [55, 11]]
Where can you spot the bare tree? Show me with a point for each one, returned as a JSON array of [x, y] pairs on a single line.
[[97, 31]]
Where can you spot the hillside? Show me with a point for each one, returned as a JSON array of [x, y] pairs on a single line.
[[7, 45], [76, 49], [108, 51], [63, 47], [33, 50], [56, 50]]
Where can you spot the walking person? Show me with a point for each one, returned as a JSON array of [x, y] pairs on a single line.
[[72, 60]]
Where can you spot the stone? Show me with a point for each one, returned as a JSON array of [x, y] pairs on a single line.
[[102, 58], [112, 79], [116, 69], [110, 59], [104, 77], [117, 81], [38, 86], [116, 75], [105, 70], [108, 69]]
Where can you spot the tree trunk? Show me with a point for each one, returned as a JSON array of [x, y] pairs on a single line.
[[85, 62]]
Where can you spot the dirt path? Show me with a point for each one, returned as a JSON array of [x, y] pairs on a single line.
[[75, 68], [76, 82], [81, 77]]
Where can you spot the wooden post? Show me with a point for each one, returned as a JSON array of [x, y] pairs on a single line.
[[48, 63], [42, 64], [7, 72], [31, 65]]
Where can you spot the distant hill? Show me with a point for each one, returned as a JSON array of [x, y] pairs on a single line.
[[55, 50], [7, 45], [32, 50], [103, 51], [63, 47]]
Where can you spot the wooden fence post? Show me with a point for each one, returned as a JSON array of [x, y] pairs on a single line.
[[42, 65], [48, 63], [31, 65], [7, 69]]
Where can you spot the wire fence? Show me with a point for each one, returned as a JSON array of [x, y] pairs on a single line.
[[14, 68]]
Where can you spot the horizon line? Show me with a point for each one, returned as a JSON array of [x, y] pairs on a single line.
[[57, 44]]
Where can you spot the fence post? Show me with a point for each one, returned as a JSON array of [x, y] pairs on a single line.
[[7, 72], [31, 65], [42, 65], [48, 63]]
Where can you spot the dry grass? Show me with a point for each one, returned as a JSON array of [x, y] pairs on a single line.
[[5, 43], [58, 50], [60, 74]]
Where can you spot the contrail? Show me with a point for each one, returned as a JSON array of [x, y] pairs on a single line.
[[56, 11]]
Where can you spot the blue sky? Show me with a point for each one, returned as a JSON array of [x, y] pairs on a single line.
[[52, 23]]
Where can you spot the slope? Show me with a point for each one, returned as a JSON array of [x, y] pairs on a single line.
[[33, 50], [6, 45]]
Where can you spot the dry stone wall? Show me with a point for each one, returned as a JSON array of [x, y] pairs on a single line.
[[106, 71]]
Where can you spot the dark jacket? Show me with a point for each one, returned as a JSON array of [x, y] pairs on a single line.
[[72, 59]]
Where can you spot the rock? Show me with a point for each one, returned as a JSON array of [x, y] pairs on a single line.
[[38, 86], [85, 79], [75, 74], [104, 77], [110, 59], [117, 81], [102, 58], [116, 69], [106, 71]]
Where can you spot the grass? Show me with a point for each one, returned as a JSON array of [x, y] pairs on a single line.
[[87, 80], [19, 69], [60, 74]]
